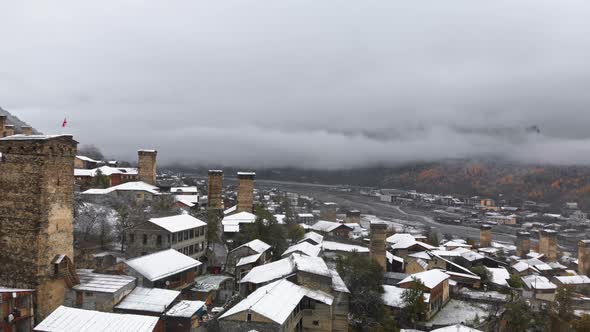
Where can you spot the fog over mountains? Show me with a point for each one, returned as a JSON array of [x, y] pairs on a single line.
[[323, 85]]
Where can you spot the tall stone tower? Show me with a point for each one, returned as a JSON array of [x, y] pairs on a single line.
[[328, 211], [523, 244], [246, 191], [27, 130], [8, 130], [353, 216], [36, 216], [214, 189], [485, 236], [377, 245], [548, 244], [2, 124], [584, 257], [147, 166]]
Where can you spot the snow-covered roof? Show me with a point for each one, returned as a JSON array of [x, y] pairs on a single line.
[[304, 248], [246, 173], [405, 240], [499, 275], [248, 260], [127, 186], [286, 266], [230, 210], [65, 319], [456, 328], [102, 283], [573, 280], [344, 247], [239, 218], [185, 309], [472, 256], [256, 245], [430, 278], [305, 215], [532, 263], [421, 255], [326, 226], [148, 299], [191, 190], [88, 159], [391, 257], [538, 282], [456, 244], [105, 170], [188, 200], [392, 296], [264, 300], [209, 282], [21, 137], [162, 264], [313, 236], [338, 284], [12, 290], [178, 223]]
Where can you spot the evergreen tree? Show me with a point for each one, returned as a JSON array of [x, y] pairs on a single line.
[[414, 305]]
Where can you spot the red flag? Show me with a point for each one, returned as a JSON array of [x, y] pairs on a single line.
[[63, 125]]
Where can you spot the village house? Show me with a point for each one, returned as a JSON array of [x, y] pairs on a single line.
[[402, 244], [137, 192], [73, 319], [578, 282], [101, 292], [303, 248], [435, 285], [183, 232], [16, 309], [148, 301], [167, 269], [187, 190], [214, 289], [83, 162], [305, 218], [113, 176], [538, 290], [187, 202], [312, 237], [231, 223], [185, 316], [331, 228], [243, 258]]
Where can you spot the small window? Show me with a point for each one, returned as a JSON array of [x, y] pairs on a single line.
[[159, 240], [144, 238], [202, 231], [185, 235], [191, 250], [131, 238], [249, 318], [192, 233], [316, 323], [173, 237]]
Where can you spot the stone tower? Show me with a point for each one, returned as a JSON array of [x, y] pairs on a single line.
[[147, 166], [8, 130], [353, 216], [548, 244], [523, 244], [246, 191], [2, 124], [27, 130], [584, 257], [214, 189], [485, 236], [36, 217], [328, 211], [377, 245]]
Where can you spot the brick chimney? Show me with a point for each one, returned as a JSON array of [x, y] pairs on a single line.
[[485, 236], [26, 130], [246, 191], [147, 166], [523, 244], [214, 189], [584, 257], [377, 246], [548, 244]]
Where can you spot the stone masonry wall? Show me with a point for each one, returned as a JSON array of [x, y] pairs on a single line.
[[36, 215], [147, 166]]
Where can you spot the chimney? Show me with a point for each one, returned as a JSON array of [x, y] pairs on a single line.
[[523, 244], [2, 124], [353, 216], [246, 191], [147, 166], [584, 257], [548, 244], [485, 236], [214, 189], [377, 245], [28, 131], [8, 130], [328, 211]]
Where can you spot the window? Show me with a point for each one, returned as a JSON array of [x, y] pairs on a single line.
[[159, 240], [202, 231], [191, 250], [316, 322], [185, 235], [131, 238], [192, 233], [144, 238], [168, 239], [249, 317], [88, 293], [173, 237]]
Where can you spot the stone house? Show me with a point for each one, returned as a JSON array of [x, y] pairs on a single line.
[[168, 269], [213, 289], [114, 175], [331, 228], [101, 292], [435, 285], [538, 289], [16, 309], [148, 301], [185, 316], [302, 308], [184, 233], [243, 258], [83, 162]]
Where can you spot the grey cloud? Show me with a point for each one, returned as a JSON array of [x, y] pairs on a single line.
[[304, 83]]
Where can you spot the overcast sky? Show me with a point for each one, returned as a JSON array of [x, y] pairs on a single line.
[[305, 82]]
